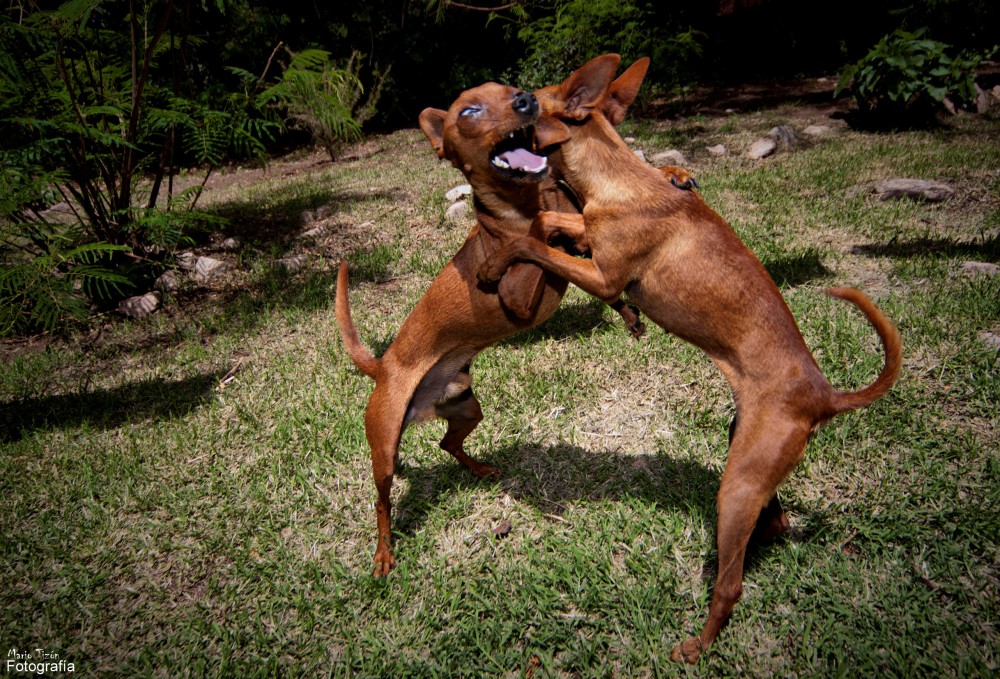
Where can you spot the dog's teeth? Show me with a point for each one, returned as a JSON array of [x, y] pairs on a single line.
[[499, 162]]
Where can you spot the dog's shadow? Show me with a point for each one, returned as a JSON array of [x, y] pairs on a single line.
[[551, 478]]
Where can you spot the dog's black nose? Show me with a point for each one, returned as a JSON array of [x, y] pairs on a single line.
[[525, 102]]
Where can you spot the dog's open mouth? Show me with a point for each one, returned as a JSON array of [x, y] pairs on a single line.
[[513, 156]]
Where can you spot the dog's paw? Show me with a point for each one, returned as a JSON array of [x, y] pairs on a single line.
[[490, 271], [384, 562], [688, 652]]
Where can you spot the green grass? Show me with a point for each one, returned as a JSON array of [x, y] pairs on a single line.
[[191, 494]]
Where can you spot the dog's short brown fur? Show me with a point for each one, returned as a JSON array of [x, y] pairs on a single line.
[[425, 372], [685, 269]]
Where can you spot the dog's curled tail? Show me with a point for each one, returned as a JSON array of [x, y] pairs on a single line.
[[891, 343], [362, 358]]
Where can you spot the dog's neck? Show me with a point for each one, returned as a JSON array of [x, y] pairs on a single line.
[[498, 211], [603, 170]]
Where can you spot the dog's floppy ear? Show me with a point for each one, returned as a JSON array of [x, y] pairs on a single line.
[[623, 91], [586, 86], [432, 124]]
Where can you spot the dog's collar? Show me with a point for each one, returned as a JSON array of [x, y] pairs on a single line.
[[571, 193]]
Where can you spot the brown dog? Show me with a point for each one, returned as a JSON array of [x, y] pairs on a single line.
[[683, 266], [425, 372]]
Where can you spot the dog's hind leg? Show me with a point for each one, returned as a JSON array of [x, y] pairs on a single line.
[[463, 414], [763, 452], [772, 522], [383, 427]]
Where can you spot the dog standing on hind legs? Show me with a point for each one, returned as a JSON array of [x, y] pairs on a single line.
[[425, 373], [686, 270]]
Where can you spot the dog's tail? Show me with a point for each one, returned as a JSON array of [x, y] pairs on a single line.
[[362, 358], [891, 343]]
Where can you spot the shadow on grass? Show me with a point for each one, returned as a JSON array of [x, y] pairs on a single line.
[[571, 319], [553, 477], [153, 399], [262, 221], [987, 248], [797, 268]]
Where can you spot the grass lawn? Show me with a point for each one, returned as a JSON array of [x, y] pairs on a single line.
[[191, 494]]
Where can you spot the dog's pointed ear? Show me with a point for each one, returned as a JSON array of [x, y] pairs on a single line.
[[586, 86], [550, 132], [623, 91], [432, 124]]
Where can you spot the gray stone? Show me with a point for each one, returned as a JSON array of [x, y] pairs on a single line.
[[231, 243], [669, 157], [914, 189], [785, 136], [717, 150], [314, 232], [982, 100], [639, 154], [817, 130], [168, 281], [459, 191], [762, 148], [206, 267], [980, 268], [140, 305], [187, 260], [457, 212], [292, 263]]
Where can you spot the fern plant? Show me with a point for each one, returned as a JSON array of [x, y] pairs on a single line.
[[317, 97], [89, 106], [48, 291]]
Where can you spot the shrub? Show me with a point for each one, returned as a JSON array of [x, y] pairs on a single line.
[[906, 77]]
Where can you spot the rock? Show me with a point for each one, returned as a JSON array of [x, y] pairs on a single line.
[[991, 339], [629, 140], [314, 232], [717, 150], [817, 130], [915, 189], [982, 100], [980, 268], [187, 260], [306, 217], [639, 154], [949, 106], [322, 212], [669, 157], [204, 267], [140, 305], [459, 191], [168, 281], [292, 263], [457, 212], [762, 148], [230, 244], [785, 136]]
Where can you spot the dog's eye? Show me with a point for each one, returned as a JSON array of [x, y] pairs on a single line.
[[470, 111]]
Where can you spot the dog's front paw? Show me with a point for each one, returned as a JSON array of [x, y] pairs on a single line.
[[688, 652], [491, 270]]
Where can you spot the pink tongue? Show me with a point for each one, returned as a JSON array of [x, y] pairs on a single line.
[[523, 159]]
